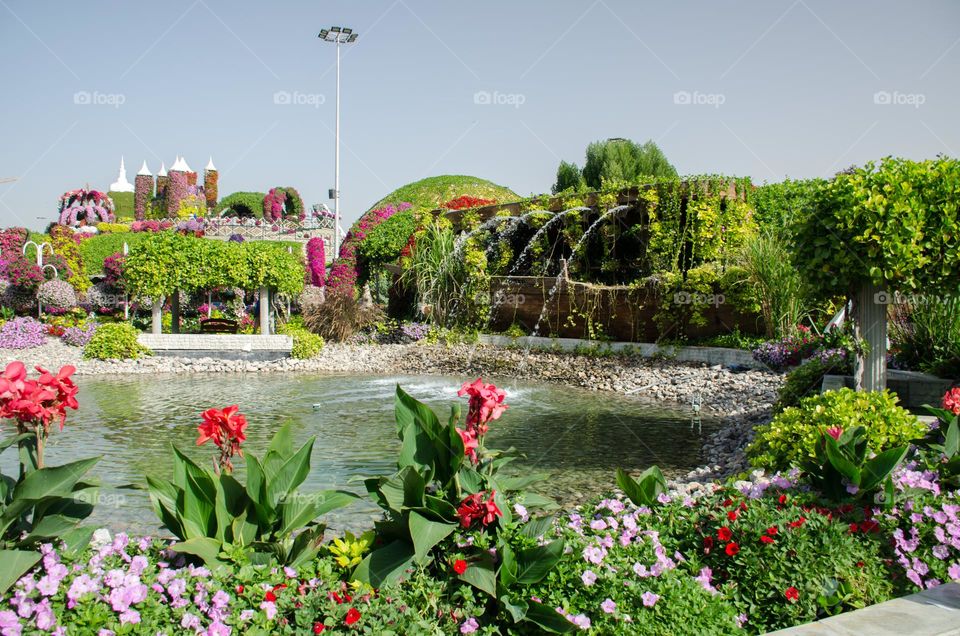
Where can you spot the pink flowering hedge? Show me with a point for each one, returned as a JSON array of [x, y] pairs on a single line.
[[344, 272], [316, 261]]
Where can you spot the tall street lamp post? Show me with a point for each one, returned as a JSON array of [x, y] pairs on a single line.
[[337, 35]]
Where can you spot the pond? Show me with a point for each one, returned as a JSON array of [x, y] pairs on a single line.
[[577, 437]]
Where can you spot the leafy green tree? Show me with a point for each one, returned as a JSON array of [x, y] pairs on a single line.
[[624, 160], [880, 231], [569, 177]]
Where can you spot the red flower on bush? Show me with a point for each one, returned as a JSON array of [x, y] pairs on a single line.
[[772, 531], [707, 544], [766, 539], [732, 515], [353, 615], [318, 627], [466, 202], [725, 534], [732, 549], [270, 597], [792, 594], [459, 566], [951, 400], [799, 522], [474, 508], [226, 428]]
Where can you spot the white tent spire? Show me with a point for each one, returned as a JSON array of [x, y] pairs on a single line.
[[144, 170], [121, 184]]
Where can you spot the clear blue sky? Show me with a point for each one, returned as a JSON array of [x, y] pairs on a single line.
[[785, 88]]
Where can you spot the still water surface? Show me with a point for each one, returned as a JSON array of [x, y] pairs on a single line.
[[577, 437]]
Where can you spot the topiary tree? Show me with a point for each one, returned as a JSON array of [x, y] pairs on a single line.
[[879, 231], [245, 204]]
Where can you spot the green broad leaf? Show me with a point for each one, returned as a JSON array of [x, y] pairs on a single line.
[[299, 511], [643, 491], [305, 546], [416, 449], [534, 501], [410, 411], [76, 541], [243, 532], [16, 439], [14, 564], [204, 547], [196, 510], [510, 484], [536, 528], [471, 482], [840, 462], [257, 492], [881, 466], [951, 442], [55, 481], [548, 619], [440, 508], [517, 609], [183, 466], [480, 574], [385, 565], [282, 442], [535, 563], [290, 475], [163, 497], [427, 533], [508, 567]]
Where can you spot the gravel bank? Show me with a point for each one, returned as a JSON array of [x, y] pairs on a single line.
[[741, 399]]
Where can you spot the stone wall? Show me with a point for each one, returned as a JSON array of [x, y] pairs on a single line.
[[620, 313]]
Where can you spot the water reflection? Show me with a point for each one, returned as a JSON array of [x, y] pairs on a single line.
[[577, 437]]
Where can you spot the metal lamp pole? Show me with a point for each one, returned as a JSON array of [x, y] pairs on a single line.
[[337, 35]]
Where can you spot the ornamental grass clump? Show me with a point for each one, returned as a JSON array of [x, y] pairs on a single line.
[[22, 333]]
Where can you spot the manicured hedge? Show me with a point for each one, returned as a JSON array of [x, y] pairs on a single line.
[[242, 204], [166, 261], [96, 249], [123, 205]]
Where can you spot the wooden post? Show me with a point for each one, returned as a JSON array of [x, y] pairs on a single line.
[[264, 311], [870, 311], [175, 311], [157, 313]]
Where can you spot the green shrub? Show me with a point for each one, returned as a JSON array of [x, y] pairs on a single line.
[[802, 382], [113, 228], [782, 559], [385, 241], [792, 436], [123, 205], [926, 330], [96, 249], [305, 344], [241, 204], [116, 341]]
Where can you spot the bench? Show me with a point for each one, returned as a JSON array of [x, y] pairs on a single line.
[[218, 325]]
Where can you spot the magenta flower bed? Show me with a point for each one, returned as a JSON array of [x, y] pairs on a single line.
[[343, 273]]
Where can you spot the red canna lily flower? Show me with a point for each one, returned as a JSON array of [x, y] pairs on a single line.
[[353, 615], [732, 549], [792, 594], [459, 566], [835, 432], [724, 534]]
